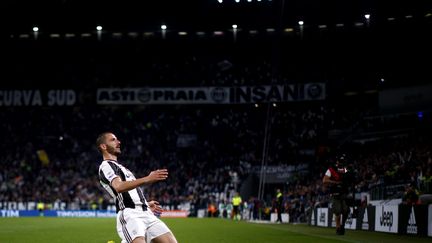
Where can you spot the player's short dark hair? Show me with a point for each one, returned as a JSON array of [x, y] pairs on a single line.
[[100, 140]]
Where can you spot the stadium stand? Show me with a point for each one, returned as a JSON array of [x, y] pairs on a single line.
[[212, 151]]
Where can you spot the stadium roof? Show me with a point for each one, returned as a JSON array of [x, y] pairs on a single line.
[[80, 15]]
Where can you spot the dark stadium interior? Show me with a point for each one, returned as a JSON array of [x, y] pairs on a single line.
[[214, 150]]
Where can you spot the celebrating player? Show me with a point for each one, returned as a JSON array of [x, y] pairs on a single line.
[[136, 220]]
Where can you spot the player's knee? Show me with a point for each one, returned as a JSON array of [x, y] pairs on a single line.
[[165, 238], [139, 239]]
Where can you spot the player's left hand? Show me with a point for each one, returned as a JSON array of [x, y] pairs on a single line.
[[155, 207]]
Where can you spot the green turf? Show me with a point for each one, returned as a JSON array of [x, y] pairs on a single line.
[[190, 230]]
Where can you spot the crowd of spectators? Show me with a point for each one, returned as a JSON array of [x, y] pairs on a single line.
[[49, 154], [201, 147]]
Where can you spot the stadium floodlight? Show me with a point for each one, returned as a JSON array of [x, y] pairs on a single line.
[[98, 28], [367, 16], [301, 23], [163, 27], [256, 105], [35, 29], [220, 1], [234, 26], [237, 1], [270, 30], [382, 80], [249, 0], [274, 105]]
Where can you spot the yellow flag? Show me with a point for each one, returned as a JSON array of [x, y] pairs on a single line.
[[43, 157]]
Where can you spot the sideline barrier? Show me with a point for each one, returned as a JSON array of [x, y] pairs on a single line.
[[58, 213], [80, 213], [175, 214], [284, 216], [400, 219], [430, 220]]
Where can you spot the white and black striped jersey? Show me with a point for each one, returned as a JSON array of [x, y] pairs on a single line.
[[110, 169]]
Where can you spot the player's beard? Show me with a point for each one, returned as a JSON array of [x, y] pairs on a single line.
[[113, 151]]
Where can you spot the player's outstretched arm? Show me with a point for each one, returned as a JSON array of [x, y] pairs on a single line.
[[124, 186]]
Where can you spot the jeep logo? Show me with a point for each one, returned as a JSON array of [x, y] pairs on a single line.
[[349, 220], [386, 219], [322, 217]]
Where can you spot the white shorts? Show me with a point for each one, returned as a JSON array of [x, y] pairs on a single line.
[[132, 223]]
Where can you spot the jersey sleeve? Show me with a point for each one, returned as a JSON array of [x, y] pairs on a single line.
[[107, 173]]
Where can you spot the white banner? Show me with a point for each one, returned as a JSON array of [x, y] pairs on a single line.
[[351, 223], [386, 218], [322, 214], [284, 216], [365, 221], [430, 220], [412, 223], [37, 98], [211, 95], [313, 221]]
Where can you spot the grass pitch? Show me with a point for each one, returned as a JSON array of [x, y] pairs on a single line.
[[189, 230]]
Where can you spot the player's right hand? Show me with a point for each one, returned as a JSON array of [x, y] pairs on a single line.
[[158, 175]]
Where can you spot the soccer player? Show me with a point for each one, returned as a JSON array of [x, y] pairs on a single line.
[[136, 220]]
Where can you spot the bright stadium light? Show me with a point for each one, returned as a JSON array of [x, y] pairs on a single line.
[[99, 28], [237, 1], [220, 1], [35, 29], [234, 26], [163, 27], [367, 16], [301, 23]]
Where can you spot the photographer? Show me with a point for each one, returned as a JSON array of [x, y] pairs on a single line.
[[336, 179]]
